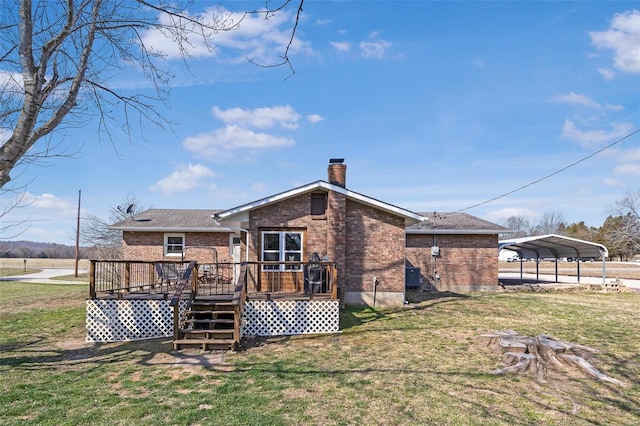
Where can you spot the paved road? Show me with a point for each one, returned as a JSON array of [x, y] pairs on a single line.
[[45, 275], [565, 279]]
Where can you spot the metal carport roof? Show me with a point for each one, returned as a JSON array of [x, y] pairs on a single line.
[[553, 246], [556, 247]]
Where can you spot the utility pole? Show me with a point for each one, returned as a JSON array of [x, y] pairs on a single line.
[[78, 233]]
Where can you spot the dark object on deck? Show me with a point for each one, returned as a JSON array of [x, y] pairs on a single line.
[[315, 276]]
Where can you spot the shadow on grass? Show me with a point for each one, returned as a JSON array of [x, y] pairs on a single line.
[[353, 316], [508, 408], [37, 355]]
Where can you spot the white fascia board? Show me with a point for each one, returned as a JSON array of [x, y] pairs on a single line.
[[455, 231], [245, 208], [161, 229]]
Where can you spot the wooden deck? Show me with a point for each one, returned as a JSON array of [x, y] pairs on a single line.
[[207, 301]]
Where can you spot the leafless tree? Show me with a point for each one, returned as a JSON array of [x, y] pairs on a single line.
[[57, 57], [626, 233], [105, 243], [550, 223], [519, 225]]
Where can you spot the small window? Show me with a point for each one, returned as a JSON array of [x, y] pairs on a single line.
[[173, 244], [281, 247], [318, 203]]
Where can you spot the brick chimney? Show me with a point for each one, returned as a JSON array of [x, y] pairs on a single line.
[[337, 172]]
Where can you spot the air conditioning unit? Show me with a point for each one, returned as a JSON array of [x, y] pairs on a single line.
[[412, 277]]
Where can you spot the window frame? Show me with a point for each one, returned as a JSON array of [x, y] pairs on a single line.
[[318, 204], [166, 245], [282, 250]]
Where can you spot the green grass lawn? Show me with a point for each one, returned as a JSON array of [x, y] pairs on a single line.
[[422, 365]]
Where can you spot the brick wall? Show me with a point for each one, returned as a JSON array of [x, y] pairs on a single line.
[[291, 214], [364, 242], [375, 244], [150, 246], [466, 262]]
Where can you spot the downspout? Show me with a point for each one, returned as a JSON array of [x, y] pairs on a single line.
[[375, 288]]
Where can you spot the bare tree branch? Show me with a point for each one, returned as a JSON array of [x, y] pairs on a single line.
[[56, 59]]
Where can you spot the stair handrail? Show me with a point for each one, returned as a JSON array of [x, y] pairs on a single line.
[[238, 302], [186, 275]]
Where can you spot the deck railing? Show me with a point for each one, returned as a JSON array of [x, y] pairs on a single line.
[[121, 278], [311, 279]]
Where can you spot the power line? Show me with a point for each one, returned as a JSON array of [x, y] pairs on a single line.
[[551, 174]]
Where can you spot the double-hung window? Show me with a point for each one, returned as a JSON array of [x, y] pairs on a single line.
[[281, 246], [173, 244]]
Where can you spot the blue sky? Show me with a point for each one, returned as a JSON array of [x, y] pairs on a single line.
[[435, 106]]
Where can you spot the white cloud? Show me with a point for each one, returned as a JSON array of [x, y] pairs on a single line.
[[262, 118], [258, 187], [315, 118], [632, 154], [5, 134], [500, 215], [613, 182], [184, 178], [595, 137], [341, 46], [222, 143], [631, 169], [11, 81], [47, 202], [574, 98], [248, 36], [613, 107], [623, 38], [374, 49], [578, 99], [607, 73]]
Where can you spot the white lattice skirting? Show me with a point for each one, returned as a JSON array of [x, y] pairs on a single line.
[[122, 320], [290, 317]]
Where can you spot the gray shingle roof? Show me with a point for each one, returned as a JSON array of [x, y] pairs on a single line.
[[460, 223], [181, 220], [169, 220]]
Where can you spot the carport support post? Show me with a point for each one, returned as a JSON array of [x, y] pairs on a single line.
[[556, 268], [604, 269], [578, 263], [520, 268]]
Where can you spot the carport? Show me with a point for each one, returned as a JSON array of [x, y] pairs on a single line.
[[556, 247]]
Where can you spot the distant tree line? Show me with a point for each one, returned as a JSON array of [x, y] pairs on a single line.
[[33, 250], [620, 232]]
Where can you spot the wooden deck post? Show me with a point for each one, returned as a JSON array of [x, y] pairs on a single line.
[[127, 277], [334, 282], [92, 279]]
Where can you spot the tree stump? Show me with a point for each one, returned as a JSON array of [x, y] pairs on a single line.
[[534, 355]]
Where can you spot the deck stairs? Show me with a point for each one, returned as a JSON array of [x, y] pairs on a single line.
[[209, 325]]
